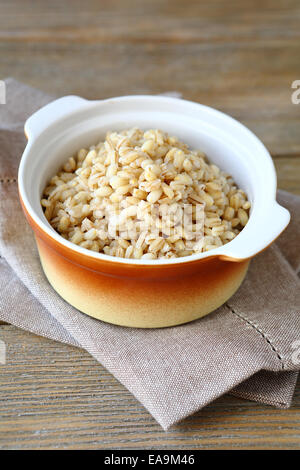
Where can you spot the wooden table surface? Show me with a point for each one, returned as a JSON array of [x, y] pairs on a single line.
[[240, 57]]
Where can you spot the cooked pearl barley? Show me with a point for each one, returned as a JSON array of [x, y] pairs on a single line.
[[243, 216], [130, 173], [154, 196], [229, 213]]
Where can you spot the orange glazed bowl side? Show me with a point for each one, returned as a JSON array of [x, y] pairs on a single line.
[[139, 301]]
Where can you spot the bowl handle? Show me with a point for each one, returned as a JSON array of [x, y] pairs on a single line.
[[259, 236], [53, 111]]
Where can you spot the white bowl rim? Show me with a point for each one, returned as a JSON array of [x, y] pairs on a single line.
[[73, 104]]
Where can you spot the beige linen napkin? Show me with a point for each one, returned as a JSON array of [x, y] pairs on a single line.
[[247, 347]]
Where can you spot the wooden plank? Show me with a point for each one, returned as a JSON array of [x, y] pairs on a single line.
[[234, 78], [288, 173], [158, 20], [56, 396]]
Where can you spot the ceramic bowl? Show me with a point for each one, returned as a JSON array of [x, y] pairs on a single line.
[[150, 293]]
